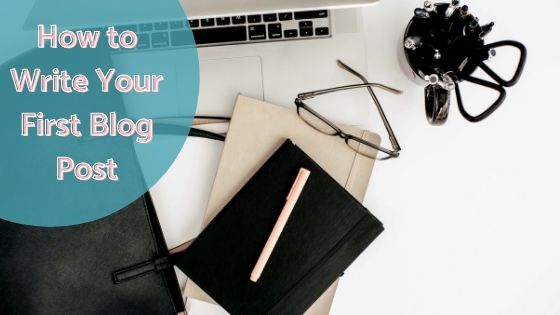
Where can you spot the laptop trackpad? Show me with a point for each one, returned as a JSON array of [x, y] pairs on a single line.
[[222, 79]]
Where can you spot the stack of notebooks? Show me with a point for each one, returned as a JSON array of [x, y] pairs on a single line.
[[327, 230]]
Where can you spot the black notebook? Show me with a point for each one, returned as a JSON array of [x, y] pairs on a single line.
[[327, 230]]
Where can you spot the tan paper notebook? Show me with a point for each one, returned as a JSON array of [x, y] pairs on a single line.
[[256, 130]]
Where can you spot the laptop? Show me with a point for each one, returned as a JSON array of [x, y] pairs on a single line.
[[274, 49]]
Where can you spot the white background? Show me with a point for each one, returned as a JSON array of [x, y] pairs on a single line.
[[471, 211]]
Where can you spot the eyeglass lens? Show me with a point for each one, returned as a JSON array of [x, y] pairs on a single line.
[[317, 122], [312, 119]]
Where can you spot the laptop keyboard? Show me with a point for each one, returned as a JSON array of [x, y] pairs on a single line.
[[229, 30]]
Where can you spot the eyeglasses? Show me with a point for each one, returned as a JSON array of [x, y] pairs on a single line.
[[325, 126]]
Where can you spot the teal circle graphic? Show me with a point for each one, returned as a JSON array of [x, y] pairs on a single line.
[[86, 131]]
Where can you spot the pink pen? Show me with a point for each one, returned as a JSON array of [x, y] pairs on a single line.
[[291, 200]]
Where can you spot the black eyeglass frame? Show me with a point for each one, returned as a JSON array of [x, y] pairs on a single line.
[[394, 153]]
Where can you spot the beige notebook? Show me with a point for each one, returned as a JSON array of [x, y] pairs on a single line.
[[256, 130]]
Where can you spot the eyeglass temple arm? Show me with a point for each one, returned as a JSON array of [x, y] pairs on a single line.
[[392, 137], [308, 95]]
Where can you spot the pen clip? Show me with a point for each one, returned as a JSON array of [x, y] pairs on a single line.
[[300, 173], [294, 185]]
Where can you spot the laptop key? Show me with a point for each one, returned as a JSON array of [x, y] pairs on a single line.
[[254, 18], [238, 19], [305, 28], [274, 30], [143, 41], [160, 39], [161, 26], [194, 23], [306, 15], [269, 17], [321, 31], [145, 27], [286, 16], [223, 21], [207, 22], [308, 31], [257, 32], [176, 24], [212, 35], [290, 33]]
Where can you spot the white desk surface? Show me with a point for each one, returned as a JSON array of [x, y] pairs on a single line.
[[471, 211]]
